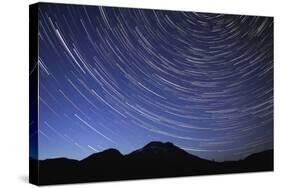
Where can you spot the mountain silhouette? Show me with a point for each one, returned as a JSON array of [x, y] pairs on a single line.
[[154, 160], [106, 156]]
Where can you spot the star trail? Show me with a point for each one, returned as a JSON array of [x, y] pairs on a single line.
[[122, 77]]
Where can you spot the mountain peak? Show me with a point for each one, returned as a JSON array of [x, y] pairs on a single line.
[[164, 149], [109, 154], [111, 151], [156, 144]]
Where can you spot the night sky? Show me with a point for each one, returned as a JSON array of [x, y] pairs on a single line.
[[120, 78]]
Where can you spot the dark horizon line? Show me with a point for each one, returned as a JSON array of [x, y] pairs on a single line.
[[213, 160]]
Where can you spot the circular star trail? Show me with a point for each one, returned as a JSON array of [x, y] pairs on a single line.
[[120, 78]]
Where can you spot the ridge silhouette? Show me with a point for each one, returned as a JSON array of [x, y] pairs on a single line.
[[154, 160]]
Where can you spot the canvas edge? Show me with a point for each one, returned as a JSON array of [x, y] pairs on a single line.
[[33, 93]]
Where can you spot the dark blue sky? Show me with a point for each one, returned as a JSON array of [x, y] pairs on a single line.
[[120, 78]]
